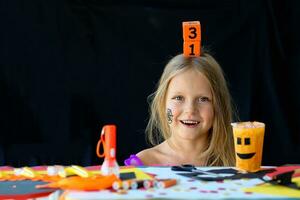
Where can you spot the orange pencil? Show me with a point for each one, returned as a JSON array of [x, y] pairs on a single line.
[[166, 183]]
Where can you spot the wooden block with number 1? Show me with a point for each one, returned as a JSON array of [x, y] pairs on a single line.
[[191, 49]]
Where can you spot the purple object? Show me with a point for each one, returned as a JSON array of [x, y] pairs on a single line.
[[133, 160]]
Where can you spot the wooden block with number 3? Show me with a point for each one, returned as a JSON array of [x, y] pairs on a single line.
[[191, 31], [191, 49]]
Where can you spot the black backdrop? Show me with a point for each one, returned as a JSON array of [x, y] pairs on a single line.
[[68, 67]]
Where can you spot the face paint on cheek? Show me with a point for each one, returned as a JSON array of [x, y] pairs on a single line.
[[169, 115]]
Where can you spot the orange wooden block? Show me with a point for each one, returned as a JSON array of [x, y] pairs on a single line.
[[191, 31], [191, 49]]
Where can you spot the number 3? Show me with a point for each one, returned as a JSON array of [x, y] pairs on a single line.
[[193, 31]]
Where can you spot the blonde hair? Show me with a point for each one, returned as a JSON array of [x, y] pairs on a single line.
[[220, 150]]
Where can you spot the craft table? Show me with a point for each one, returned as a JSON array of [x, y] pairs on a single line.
[[186, 188], [189, 188]]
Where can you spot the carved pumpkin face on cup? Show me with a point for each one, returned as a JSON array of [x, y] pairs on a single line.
[[248, 143]]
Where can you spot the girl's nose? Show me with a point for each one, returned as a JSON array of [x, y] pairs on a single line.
[[190, 107]]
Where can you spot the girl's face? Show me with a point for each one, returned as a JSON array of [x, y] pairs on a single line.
[[189, 105]]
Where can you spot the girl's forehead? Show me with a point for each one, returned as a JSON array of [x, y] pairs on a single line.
[[189, 80]]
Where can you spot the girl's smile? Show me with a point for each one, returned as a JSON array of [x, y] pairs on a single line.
[[190, 123]]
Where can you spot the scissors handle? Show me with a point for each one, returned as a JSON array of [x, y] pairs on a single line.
[[179, 168], [206, 172], [192, 168]]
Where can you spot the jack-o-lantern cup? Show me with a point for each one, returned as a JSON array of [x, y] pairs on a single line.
[[248, 143]]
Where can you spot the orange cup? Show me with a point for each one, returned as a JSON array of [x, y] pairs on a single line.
[[248, 143]]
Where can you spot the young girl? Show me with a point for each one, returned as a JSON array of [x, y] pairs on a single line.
[[190, 116]]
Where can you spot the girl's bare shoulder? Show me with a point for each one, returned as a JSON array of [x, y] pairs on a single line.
[[150, 156]]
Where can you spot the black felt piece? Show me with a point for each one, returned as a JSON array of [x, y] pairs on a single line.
[[224, 171], [127, 175], [26, 188], [236, 174], [285, 179]]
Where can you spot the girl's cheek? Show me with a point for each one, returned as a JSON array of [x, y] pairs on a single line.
[[209, 112], [175, 109]]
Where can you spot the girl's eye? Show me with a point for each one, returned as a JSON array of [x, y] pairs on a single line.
[[178, 98], [204, 99]]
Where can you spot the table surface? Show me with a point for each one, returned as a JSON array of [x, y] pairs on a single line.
[[189, 188]]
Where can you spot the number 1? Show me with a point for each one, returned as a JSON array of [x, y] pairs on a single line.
[[192, 49]]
